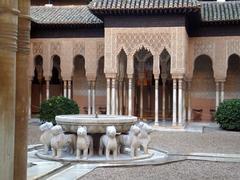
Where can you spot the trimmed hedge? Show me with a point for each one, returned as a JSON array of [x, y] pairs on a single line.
[[228, 114], [57, 105]]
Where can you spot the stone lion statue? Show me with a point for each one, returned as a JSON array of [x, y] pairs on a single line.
[[46, 136], [109, 142], [144, 136], [84, 142], [131, 140], [61, 140]]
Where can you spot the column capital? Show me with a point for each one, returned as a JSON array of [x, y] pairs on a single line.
[[156, 76], [130, 76], [110, 75], [220, 80]]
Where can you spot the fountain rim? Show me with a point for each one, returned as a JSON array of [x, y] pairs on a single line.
[[102, 118]]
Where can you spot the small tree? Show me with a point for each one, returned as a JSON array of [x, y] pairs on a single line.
[[228, 114], [57, 105]]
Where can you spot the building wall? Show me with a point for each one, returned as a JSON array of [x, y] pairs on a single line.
[[183, 50]]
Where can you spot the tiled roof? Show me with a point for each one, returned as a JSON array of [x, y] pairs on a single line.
[[118, 5], [63, 15], [220, 12]]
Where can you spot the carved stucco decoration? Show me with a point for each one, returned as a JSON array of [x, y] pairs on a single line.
[[37, 48], [154, 42], [100, 49], [79, 48], [204, 48], [55, 48], [233, 47]]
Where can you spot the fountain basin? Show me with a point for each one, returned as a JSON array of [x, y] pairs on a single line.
[[95, 124]]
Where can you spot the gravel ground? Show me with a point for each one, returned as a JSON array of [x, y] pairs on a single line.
[[186, 142], [184, 170]]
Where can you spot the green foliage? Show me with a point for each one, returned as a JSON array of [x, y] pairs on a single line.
[[228, 114], [57, 105]]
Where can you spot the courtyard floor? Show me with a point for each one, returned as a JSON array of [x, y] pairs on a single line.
[[202, 147]]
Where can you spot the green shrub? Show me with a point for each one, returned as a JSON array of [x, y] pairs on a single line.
[[57, 105], [228, 114]]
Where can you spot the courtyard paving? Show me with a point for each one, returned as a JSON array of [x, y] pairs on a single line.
[[212, 142]]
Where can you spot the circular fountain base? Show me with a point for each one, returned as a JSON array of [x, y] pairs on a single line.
[[122, 158]]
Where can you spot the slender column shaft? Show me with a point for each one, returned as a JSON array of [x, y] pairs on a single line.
[[30, 99], [184, 103], [93, 97], [141, 100], [164, 101], [108, 96], [156, 101], [120, 97], [189, 102], [125, 98], [40, 93], [217, 95], [47, 89], [130, 96], [89, 97], [65, 88], [180, 103], [70, 89], [174, 122], [117, 98], [113, 96], [222, 91]]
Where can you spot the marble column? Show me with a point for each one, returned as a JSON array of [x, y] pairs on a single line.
[[180, 102], [69, 89], [108, 96], [130, 96], [141, 100], [93, 97], [164, 100], [89, 97], [222, 91], [113, 103], [174, 121], [65, 88], [8, 48], [30, 98], [217, 94], [189, 112], [156, 102], [117, 98], [121, 97], [184, 102], [47, 89]]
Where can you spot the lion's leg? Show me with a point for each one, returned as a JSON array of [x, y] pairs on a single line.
[[45, 148], [107, 153], [132, 151], [59, 153], [85, 153], [145, 149], [78, 153], [115, 154], [54, 152]]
